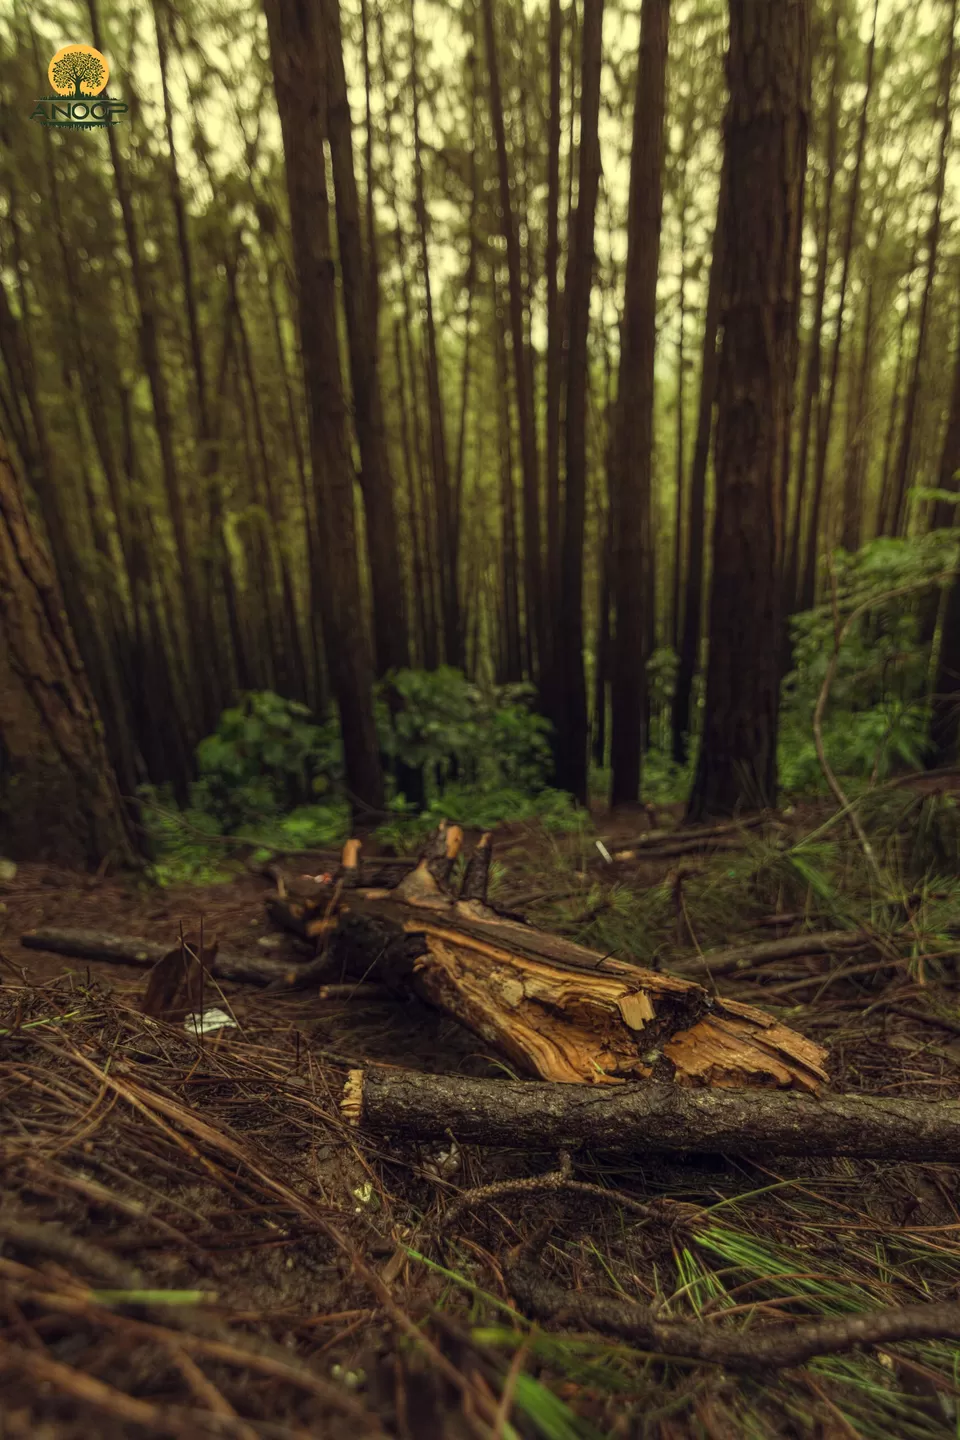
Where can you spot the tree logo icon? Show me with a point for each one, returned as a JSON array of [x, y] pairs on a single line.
[[78, 70], [78, 75]]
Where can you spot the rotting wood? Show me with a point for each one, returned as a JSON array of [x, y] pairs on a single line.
[[553, 1008], [650, 1118]]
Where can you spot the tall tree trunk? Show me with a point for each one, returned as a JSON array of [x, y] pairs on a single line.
[[676, 616], [855, 469], [571, 719], [201, 698], [58, 794], [808, 589], [903, 473], [633, 442], [551, 588], [295, 45], [510, 664], [768, 69], [693, 605], [526, 417], [449, 597], [391, 644], [796, 562]]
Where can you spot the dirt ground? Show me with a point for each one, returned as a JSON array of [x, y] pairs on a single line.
[[193, 1243]]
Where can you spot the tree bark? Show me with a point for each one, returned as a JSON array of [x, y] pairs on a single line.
[[649, 1118], [633, 443], [768, 66], [58, 793], [295, 48], [571, 719]]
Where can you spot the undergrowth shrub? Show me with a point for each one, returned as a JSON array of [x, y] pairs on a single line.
[[271, 773], [877, 717]]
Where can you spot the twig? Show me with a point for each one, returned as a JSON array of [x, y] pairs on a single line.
[[557, 1180], [775, 1349]]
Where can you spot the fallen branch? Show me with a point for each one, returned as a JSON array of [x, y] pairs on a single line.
[[132, 950], [744, 957], [646, 1118], [696, 834], [779, 1348]]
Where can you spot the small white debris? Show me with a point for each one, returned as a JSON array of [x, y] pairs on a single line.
[[209, 1020], [445, 1163], [603, 850]]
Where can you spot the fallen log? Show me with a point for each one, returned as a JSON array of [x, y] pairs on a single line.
[[132, 950], [555, 1009], [650, 1118]]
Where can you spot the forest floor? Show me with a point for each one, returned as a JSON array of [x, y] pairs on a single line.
[[193, 1243]]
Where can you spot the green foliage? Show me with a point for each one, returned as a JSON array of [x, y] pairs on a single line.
[[877, 715], [266, 757], [459, 731], [183, 843]]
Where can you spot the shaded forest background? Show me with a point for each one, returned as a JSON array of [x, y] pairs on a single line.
[[369, 369]]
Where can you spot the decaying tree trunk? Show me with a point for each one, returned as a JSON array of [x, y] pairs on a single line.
[[555, 1009]]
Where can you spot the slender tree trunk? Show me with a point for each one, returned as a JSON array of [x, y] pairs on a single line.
[[768, 69], [571, 738], [450, 608], [808, 589], [633, 443], [391, 644], [858, 448], [676, 618], [526, 417], [903, 473], [58, 793], [551, 588], [796, 563], [373, 266], [294, 44], [510, 667], [689, 646]]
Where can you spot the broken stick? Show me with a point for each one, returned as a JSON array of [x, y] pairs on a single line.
[[132, 950], [649, 1118]]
